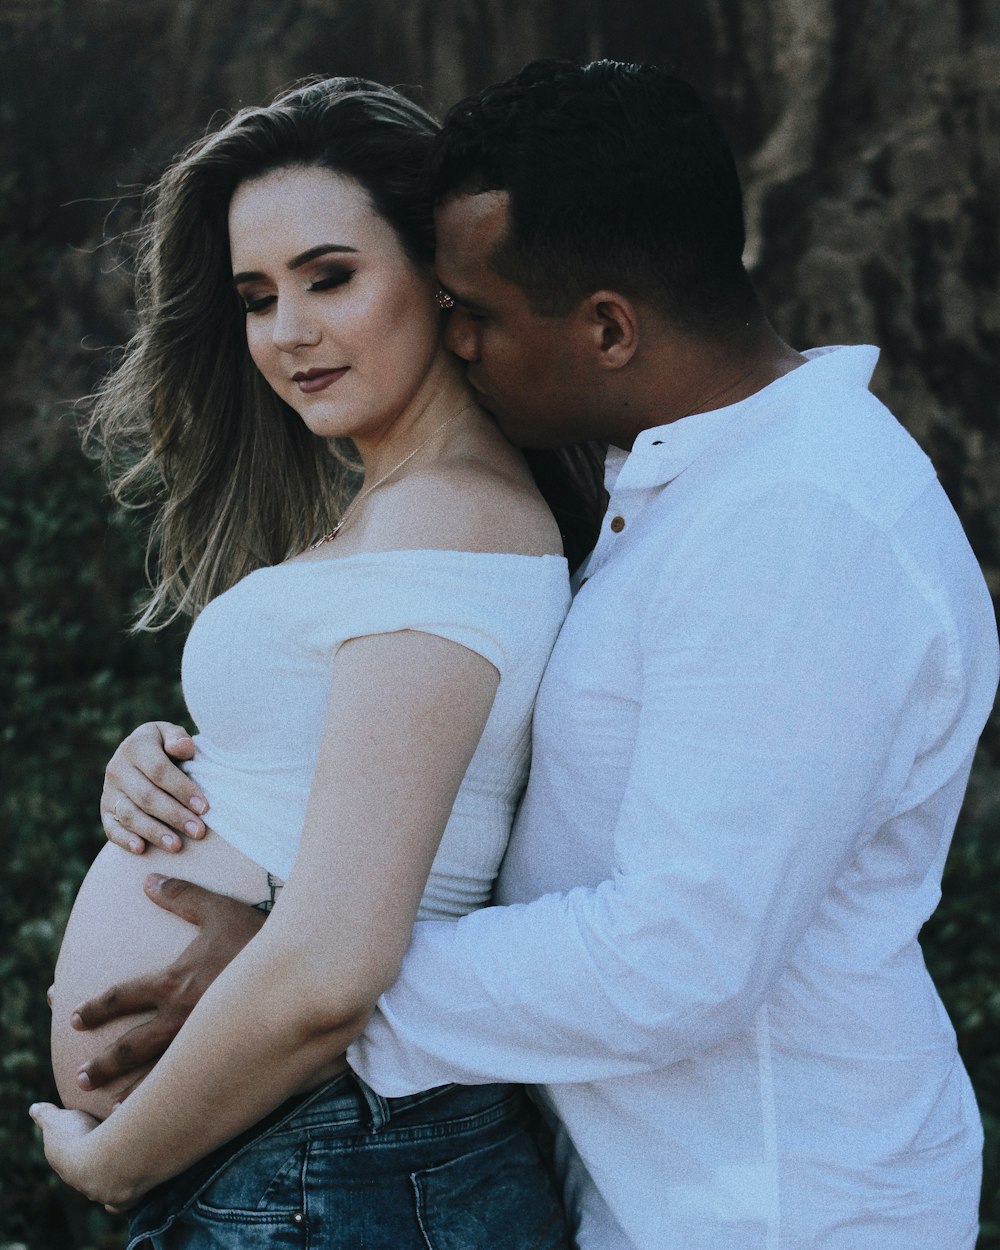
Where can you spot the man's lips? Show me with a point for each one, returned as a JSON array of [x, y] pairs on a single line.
[[311, 380]]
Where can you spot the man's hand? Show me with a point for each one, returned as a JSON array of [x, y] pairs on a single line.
[[146, 797], [225, 925]]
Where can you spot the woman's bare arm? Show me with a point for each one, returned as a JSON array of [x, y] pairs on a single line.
[[405, 715]]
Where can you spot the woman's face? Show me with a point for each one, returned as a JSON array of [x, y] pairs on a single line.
[[340, 322]]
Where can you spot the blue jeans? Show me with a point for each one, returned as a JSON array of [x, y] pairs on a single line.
[[454, 1168]]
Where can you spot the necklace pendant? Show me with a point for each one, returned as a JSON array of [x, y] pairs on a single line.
[[327, 538]]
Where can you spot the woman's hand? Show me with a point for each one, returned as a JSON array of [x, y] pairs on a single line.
[[69, 1151], [404, 718], [146, 797]]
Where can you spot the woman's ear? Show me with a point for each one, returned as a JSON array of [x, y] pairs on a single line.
[[613, 324]]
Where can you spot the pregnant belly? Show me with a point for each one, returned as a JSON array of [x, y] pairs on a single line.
[[115, 934]]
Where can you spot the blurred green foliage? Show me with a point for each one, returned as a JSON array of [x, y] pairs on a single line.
[[22, 258], [73, 683]]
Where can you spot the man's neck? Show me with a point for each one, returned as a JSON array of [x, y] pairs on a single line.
[[684, 375]]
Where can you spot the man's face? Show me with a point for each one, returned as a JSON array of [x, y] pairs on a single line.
[[528, 370]]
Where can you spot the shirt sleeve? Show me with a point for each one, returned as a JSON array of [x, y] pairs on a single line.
[[491, 603], [791, 674]]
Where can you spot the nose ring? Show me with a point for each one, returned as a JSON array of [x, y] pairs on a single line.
[[444, 300]]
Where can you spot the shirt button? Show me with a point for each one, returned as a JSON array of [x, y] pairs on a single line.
[[617, 524]]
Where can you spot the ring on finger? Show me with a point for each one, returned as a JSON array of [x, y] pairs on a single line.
[[114, 811]]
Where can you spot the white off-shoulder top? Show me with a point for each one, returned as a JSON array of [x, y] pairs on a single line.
[[256, 678]]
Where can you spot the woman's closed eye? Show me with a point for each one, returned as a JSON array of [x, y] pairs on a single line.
[[254, 303], [335, 278]]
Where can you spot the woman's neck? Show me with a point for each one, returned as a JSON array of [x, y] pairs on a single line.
[[442, 398]]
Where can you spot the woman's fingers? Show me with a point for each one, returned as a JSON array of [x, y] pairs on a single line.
[[135, 812], [147, 798], [177, 742]]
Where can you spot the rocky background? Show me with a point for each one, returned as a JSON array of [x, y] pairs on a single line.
[[868, 134], [867, 130]]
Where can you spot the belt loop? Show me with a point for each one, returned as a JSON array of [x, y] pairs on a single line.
[[378, 1107]]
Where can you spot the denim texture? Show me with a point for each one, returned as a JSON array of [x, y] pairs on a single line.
[[456, 1168]]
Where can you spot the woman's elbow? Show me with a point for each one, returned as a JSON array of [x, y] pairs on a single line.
[[329, 1005], [326, 992]]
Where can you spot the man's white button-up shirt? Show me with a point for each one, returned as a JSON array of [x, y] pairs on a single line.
[[750, 749]]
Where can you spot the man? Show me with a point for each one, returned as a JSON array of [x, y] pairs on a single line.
[[753, 737]]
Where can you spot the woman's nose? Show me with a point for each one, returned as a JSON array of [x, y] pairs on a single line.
[[293, 327], [461, 335]]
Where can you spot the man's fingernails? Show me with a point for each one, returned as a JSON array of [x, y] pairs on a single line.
[[198, 805], [83, 1079], [155, 880], [192, 828], [76, 1020]]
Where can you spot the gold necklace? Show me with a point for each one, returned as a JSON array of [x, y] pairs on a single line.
[[364, 493]]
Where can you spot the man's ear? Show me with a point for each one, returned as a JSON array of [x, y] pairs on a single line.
[[613, 324]]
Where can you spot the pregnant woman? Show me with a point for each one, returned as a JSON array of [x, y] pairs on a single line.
[[362, 678]]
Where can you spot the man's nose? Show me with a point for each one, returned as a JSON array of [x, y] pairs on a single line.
[[461, 335]]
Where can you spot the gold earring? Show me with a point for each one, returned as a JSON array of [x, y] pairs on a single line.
[[443, 298]]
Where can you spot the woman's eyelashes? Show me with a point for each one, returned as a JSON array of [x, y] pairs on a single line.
[[329, 281], [252, 304], [335, 278]]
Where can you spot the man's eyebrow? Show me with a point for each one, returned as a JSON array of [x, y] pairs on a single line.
[[303, 258]]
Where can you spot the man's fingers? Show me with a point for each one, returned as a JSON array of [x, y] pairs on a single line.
[[125, 999], [129, 1089], [135, 1051], [191, 902]]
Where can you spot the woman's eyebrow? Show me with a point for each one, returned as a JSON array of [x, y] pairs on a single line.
[[303, 258]]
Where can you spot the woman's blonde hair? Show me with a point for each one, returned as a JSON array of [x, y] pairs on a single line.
[[185, 422]]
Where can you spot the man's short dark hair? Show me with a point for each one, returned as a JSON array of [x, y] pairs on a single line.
[[618, 176]]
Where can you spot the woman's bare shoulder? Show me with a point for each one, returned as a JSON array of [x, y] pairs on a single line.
[[466, 505]]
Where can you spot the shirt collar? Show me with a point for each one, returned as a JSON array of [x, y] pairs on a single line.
[[662, 452]]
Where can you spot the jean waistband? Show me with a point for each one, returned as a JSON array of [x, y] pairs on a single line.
[[346, 1100]]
